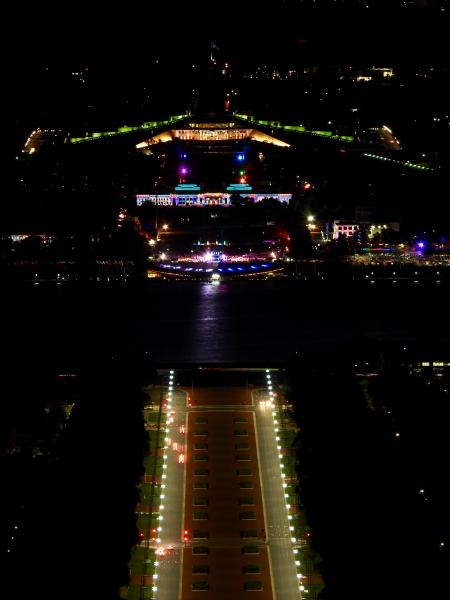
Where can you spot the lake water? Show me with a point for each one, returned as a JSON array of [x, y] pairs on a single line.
[[241, 322]]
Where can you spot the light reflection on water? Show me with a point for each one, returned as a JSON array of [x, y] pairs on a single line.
[[214, 317], [260, 321], [257, 321]]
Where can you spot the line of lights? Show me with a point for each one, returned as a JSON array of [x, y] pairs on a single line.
[[403, 163], [126, 129], [297, 128], [159, 550], [272, 405]]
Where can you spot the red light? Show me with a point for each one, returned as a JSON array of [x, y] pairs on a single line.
[[141, 534], [242, 180]]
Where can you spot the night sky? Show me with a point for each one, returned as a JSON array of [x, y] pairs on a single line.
[[76, 32]]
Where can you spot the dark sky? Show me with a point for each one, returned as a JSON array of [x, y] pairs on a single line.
[[247, 29]]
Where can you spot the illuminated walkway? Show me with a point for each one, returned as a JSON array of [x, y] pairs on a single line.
[[225, 530], [170, 546], [279, 536]]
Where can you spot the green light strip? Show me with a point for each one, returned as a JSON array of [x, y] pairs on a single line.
[[403, 163], [127, 129], [296, 128]]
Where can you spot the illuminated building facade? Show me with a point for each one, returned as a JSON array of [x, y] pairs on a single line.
[[346, 229], [212, 132], [212, 135], [204, 198]]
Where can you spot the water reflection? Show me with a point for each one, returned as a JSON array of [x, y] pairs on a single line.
[[212, 321], [231, 322]]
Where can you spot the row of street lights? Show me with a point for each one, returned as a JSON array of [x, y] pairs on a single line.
[[283, 475], [159, 549]]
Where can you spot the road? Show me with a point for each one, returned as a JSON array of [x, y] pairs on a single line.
[[282, 561], [284, 573], [169, 569], [388, 140]]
